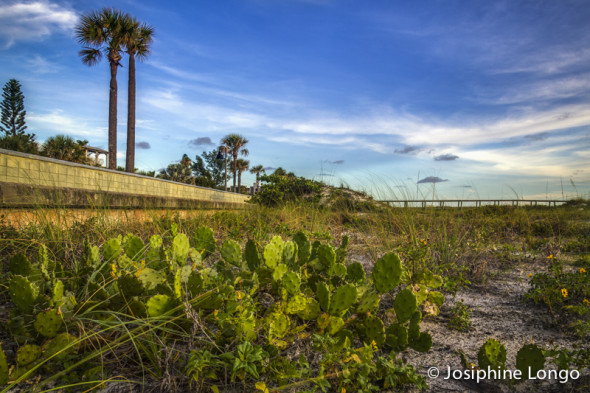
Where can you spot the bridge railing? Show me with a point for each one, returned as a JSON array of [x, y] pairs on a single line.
[[473, 202]]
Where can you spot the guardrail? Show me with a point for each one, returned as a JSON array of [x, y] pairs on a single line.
[[475, 202]]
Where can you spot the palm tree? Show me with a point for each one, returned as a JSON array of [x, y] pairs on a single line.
[[64, 147], [257, 170], [104, 31], [137, 43], [241, 166], [235, 144]]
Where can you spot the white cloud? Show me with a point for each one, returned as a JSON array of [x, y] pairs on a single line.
[[57, 122], [40, 65], [26, 21]]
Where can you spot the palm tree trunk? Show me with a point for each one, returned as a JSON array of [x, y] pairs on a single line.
[[113, 117], [234, 168], [130, 157], [239, 181]]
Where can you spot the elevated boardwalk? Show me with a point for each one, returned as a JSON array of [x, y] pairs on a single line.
[[473, 202], [28, 180]]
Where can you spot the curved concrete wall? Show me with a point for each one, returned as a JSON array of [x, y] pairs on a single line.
[[27, 179]]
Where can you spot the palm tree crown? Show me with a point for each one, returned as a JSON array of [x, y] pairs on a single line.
[[241, 166], [235, 144], [257, 170]]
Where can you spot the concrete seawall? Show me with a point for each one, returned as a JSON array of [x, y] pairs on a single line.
[[28, 180]]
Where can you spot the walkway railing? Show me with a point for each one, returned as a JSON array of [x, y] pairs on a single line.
[[474, 202]]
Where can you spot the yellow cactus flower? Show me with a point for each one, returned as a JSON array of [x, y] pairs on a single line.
[[374, 345], [239, 295], [586, 302], [114, 270], [582, 270], [550, 256], [529, 275], [564, 292]]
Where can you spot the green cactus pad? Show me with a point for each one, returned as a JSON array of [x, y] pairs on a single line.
[[303, 247], [92, 257], [151, 278], [20, 265], [251, 255], [296, 304], [373, 330], [404, 305], [530, 359], [334, 326], [60, 346], [429, 279], [273, 252], [180, 248], [289, 253], [156, 241], [23, 293], [111, 249], [204, 241], [492, 354], [322, 293], [278, 324], [3, 367], [326, 257], [291, 282], [129, 285], [387, 272], [344, 297], [339, 270], [310, 311], [134, 247], [57, 292], [369, 301], [27, 354], [341, 251], [279, 271], [355, 272], [48, 323], [396, 336], [423, 343], [436, 297], [195, 257], [344, 339], [159, 305], [414, 327], [194, 284], [231, 252]]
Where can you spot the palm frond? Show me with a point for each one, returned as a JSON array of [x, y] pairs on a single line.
[[90, 56]]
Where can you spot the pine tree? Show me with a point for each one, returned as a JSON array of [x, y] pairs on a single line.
[[13, 109]]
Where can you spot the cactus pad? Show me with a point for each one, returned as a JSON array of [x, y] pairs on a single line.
[[492, 354], [414, 327], [423, 343], [194, 284], [204, 241], [322, 293], [60, 346], [129, 285], [291, 282], [278, 324], [373, 330], [27, 354], [111, 249], [180, 248], [23, 293], [530, 359], [326, 256], [344, 297], [310, 311], [279, 271], [369, 301], [251, 255], [273, 252], [387, 272], [20, 265], [355, 272], [133, 247], [48, 323], [404, 305], [303, 247], [3, 367], [151, 278], [396, 336], [289, 253], [159, 305], [231, 252]]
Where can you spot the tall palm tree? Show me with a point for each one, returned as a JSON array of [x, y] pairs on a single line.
[[235, 144], [241, 166], [257, 170], [64, 147], [98, 32], [137, 43]]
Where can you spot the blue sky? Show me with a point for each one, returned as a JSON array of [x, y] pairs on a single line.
[[455, 99]]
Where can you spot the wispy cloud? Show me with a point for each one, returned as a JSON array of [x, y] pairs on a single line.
[[407, 150], [202, 141], [143, 145], [59, 122], [432, 179], [26, 21], [446, 157]]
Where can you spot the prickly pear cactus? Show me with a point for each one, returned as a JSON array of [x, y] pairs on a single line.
[[20, 265], [387, 272], [273, 252], [404, 305], [322, 292], [279, 271], [338, 270], [3, 367], [111, 249], [278, 324], [231, 252], [414, 327], [27, 354], [492, 354], [373, 330], [180, 248], [23, 293], [369, 301], [326, 256], [396, 336], [60, 346], [194, 284], [310, 310], [429, 279], [341, 251], [48, 323], [355, 272], [289, 253], [151, 278], [251, 255], [303, 247], [530, 359], [344, 297], [129, 285], [159, 305], [133, 247], [205, 241], [423, 343], [291, 282]]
